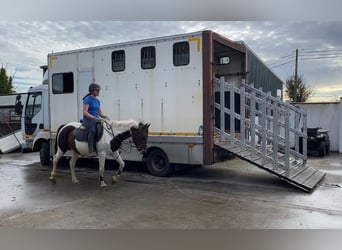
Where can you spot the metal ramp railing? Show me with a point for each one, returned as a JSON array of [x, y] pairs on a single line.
[[265, 131]]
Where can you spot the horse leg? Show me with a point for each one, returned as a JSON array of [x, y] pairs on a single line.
[[72, 164], [102, 161], [119, 160], [55, 161]]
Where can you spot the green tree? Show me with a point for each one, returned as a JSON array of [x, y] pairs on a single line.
[[6, 82], [297, 91]]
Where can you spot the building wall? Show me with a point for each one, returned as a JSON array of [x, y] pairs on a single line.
[[327, 116]]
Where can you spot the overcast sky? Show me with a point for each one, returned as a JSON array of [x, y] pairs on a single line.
[[24, 45]]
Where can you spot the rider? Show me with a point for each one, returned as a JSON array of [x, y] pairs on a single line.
[[91, 114]]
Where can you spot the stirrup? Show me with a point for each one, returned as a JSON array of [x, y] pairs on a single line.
[[92, 155]]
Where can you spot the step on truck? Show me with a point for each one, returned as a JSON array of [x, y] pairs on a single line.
[[179, 84]]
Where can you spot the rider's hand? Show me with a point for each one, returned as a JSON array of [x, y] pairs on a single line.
[[98, 119]]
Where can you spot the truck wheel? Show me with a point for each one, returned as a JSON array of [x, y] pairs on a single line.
[[44, 154], [158, 164], [322, 148]]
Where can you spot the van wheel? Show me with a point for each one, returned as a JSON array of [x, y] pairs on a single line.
[[44, 154], [158, 164], [322, 148]]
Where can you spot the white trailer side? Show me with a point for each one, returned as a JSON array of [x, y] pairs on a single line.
[[167, 96]]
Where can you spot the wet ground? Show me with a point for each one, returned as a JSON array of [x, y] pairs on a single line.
[[233, 194]]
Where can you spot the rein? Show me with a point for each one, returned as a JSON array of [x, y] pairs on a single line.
[[115, 144], [117, 140], [108, 128]]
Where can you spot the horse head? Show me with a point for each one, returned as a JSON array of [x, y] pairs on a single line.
[[139, 136]]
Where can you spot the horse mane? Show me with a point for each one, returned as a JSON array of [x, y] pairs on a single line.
[[123, 125]]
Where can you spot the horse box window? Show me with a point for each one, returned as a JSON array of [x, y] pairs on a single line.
[[63, 83], [118, 60], [148, 57], [181, 54]]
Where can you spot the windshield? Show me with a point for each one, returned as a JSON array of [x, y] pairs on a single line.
[[33, 104]]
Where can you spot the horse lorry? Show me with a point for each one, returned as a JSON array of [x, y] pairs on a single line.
[[166, 81], [190, 87]]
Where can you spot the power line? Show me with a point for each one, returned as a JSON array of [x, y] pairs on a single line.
[[281, 59], [321, 54], [289, 69], [272, 67], [286, 56], [322, 51], [307, 55], [320, 57]]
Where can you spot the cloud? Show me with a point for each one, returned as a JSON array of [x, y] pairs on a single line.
[[24, 45], [105, 10]]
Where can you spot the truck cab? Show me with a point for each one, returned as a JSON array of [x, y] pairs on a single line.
[[35, 119]]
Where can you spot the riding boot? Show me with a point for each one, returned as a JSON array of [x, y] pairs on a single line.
[[91, 145]]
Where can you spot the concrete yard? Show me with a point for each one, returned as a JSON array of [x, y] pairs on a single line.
[[229, 195]]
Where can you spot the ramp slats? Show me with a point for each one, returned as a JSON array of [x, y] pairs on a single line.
[[304, 177], [314, 179], [261, 132]]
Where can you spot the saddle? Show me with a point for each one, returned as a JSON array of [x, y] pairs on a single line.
[[81, 133]]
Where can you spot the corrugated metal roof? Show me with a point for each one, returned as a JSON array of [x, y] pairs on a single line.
[[259, 74]]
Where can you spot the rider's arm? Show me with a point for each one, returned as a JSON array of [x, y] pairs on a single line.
[[101, 113], [85, 111]]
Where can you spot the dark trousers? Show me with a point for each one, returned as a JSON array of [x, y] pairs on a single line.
[[91, 127]]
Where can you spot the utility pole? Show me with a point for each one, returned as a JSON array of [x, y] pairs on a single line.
[[296, 68]]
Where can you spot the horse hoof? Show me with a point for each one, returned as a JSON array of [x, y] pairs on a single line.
[[52, 179], [115, 179]]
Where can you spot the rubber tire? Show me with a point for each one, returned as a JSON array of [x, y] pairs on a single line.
[[322, 148], [328, 148], [44, 154], [158, 164]]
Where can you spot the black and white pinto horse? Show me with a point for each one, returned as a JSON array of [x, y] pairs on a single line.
[[114, 132]]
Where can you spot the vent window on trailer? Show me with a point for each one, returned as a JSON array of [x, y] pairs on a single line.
[[181, 54], [118, 60], [148, 57], [63, 83]]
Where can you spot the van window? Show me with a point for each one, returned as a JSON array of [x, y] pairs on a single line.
[[181, 54], [148, 57], [63, 83], [118, 60]]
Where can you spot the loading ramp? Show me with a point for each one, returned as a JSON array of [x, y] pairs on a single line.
[[265, 131]]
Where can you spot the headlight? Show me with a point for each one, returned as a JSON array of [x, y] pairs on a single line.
[[320, 136]]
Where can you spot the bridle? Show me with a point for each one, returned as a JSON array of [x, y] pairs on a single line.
[[108, 128]]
